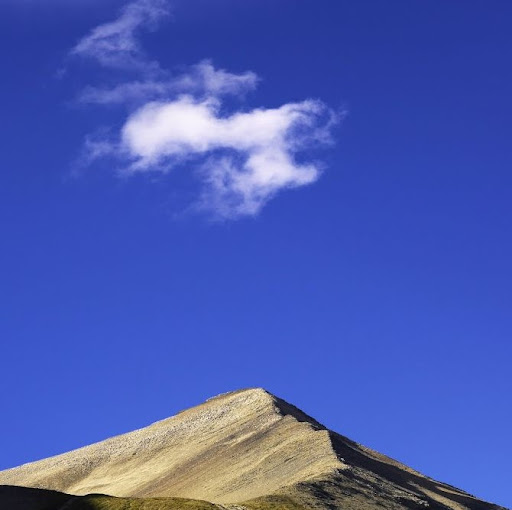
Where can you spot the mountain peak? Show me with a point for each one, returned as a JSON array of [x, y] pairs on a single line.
[[280, 405], [235, 447]]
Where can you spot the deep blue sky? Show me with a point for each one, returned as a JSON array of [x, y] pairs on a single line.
[[378, 299]]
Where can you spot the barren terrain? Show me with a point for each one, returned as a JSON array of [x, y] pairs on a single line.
[[245, 448]]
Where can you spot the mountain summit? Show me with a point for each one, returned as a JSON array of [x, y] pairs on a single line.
[[245, 448]]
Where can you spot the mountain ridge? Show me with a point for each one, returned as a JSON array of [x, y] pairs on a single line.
[[237, 447]]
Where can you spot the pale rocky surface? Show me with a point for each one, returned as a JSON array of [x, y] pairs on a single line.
[[237, 447]]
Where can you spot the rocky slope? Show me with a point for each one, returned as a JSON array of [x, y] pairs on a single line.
[[247, 447]]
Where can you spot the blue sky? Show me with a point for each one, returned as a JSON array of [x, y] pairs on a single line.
[[312, 197]]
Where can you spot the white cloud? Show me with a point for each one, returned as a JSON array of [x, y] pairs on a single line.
[[242, 158], [202, 79], [114, 44], [185, 126], [245, 158]]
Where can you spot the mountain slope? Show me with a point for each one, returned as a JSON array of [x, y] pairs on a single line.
[[23, 498], [246, 446], [231, 448]]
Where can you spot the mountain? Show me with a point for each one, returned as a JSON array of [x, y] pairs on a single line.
[[245, 449]]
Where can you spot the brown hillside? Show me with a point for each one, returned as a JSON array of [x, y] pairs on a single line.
[[246, 446]]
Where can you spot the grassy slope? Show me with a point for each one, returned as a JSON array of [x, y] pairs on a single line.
[[108, 503], [21, 498], [272, 503], [97, 502], [94, 502]]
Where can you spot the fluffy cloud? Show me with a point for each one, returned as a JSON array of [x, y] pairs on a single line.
[[250, 155], [242, 158]]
